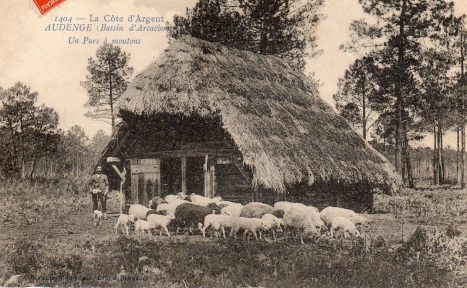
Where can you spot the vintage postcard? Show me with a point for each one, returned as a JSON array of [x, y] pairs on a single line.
[[233, 143]]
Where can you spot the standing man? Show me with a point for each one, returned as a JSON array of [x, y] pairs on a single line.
[[99, 190]]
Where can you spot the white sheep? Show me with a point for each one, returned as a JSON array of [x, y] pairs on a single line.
[[272, 223], [252, 225], [315, 216], [97, 216], [256, 210], [143, 226], [343, 224], [300, 221], [170, 208], [312, 211], [217, 222], [204, 201], [124, 221], [232, 210], [328, 213], [172, 197], [161, 221], [139, 211]]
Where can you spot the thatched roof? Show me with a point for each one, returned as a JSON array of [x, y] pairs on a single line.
[[286, 133]]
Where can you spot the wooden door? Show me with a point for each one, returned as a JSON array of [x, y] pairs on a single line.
[[145, 180]]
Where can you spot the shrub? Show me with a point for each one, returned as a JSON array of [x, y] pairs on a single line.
[[62, 264], [25, 256]]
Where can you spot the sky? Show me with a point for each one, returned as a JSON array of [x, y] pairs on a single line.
[[54, 68]]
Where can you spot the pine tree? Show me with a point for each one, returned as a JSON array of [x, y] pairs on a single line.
[[107, 79], [284, 28], [359, 84], [399, 34]]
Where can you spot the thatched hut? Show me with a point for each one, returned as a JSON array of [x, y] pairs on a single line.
[[208, 119]]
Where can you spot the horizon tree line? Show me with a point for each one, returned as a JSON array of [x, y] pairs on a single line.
[[410, 76]]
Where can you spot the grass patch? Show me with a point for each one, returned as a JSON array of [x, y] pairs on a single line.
[[227, 263], [63, 248], [439, 206]]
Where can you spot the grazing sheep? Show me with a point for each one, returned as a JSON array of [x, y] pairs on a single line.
[[191, 215], [124, 221], [217, 222], [343, 224], [272, 223], [252, 225], [170, 208], [142, 226], [329, 213], [97, 216], [232, 210], [300, 221], [315, 216], [204, 201], [285, 206], [139, 211], [162, 221], [255, 210]]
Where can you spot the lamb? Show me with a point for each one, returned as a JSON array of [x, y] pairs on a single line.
[[204, 201], [217, 222], [139, 211], [142, 226], [252, 225], [232, 210], [272, 223], [345, 225], [97, 217], [162, 221], [124, 221], [329, 213], [300, 221], [255, 210], [189, 215]]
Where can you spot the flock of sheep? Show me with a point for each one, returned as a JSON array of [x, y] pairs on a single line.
[[198, 212]]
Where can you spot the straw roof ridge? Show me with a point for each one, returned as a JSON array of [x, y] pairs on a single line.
[[286, 133]]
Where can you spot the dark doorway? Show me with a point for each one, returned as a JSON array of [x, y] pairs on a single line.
[[195, 175], [171, 176]]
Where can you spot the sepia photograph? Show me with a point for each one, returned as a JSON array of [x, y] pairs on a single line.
[[233, 143]]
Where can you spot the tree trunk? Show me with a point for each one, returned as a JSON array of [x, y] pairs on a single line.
[[363, 109], [441, 151], [111, 100], [439, 158], [435, 156], [33, 169], [463, 111], [399, 88], [408, 165], [457, 155]]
